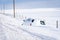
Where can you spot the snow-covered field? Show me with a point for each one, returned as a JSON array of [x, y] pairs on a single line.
[[11, 28]]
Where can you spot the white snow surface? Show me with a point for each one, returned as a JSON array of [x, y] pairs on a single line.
[[11, 29]]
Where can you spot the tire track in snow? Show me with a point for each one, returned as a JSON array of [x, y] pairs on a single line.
[[2, 34], [42, 37]]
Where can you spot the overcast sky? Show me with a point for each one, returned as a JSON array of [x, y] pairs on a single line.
[[27, 4]]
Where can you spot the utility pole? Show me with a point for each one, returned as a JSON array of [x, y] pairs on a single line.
[[3, 8], [14, 8]]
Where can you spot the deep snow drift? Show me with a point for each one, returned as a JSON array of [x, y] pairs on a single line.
[[11, 29]]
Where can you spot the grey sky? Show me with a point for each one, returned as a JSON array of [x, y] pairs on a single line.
[[31, 4]]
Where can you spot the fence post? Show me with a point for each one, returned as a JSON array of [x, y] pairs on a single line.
[[57, 24]]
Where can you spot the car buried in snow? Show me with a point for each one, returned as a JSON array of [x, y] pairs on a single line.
[[28, 21]]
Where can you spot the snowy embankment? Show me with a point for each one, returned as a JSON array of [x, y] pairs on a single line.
[[11, 29]]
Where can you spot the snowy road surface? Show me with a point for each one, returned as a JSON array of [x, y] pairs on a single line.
[[11, 29]]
